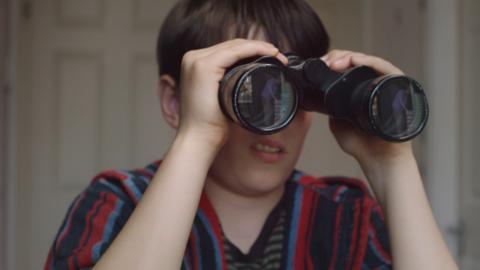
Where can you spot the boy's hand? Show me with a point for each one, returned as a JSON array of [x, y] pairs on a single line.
[[201, 72], [366, 148], [393, 174]]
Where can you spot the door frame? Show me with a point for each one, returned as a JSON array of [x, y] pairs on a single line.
[[4, 126], [443, 137], [10, 154]]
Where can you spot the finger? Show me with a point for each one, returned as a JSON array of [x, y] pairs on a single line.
[[333, 55], [219, 46], [223, 45], [203, 52], [229, 56], [342, 63], [232, 43], [280, 56], [378, 64]]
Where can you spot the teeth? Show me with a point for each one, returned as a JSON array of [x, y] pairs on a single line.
[[266, 148]]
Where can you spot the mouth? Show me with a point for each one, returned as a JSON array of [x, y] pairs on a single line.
[[269, 151]]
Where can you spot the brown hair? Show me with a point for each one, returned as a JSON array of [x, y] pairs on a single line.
[[193, 24]]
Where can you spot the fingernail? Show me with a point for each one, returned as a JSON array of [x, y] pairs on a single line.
[[275, 54]]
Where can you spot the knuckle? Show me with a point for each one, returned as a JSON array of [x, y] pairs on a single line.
[[187, 57], [199, 64], [239, 40], [336, 51]]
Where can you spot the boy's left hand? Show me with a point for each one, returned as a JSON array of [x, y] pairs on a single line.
[[366, 148], [393, 174]]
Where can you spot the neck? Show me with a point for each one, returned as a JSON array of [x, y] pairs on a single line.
[[241, 216]]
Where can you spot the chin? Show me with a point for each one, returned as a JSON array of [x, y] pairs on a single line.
[[259, 182]]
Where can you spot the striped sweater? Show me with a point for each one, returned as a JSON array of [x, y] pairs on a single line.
[[331, 223]]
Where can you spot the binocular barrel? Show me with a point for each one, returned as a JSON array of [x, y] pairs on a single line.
[[264, 95]]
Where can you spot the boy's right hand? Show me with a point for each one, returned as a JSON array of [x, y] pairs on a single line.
[[201, 72]]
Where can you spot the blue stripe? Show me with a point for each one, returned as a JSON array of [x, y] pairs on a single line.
[[145, 180], [197, 245], [116, 189], [343, 189], [131, 185], [294, 226], [218, 259], [107, 231], [296, 175]]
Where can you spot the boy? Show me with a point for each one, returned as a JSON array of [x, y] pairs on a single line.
[[225, 198]]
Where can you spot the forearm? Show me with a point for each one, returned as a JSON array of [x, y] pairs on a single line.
[[157, 231], [416, 241]]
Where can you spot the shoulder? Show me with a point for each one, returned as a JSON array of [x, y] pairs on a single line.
[[333, 188], [346, 219], [126, 184]]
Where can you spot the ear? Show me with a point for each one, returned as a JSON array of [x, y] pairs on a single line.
[[169, 100]]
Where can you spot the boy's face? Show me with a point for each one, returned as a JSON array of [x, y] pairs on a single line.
[[252, 164]]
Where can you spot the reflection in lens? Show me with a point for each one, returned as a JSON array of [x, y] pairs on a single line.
[[398, 108], [266, 100]]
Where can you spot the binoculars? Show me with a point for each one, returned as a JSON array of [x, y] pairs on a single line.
[[263, 96]]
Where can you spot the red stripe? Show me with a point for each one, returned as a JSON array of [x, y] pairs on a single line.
[[146, 173], [306, 205], [207, 208], [68, 227], [363, 241], [87, 228], [114, 175], [307, 180], [351, 182], [193, 243], [71, 265], [122, 177], [48, 263], [85, 257], [312, 182], [336, 235], [309, 238]]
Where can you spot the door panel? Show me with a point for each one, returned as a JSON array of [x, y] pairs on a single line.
[[91, 105]]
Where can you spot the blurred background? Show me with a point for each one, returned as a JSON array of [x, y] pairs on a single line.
[[78, 95]]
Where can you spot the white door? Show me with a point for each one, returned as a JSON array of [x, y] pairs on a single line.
[[470, 193], [87, 102]]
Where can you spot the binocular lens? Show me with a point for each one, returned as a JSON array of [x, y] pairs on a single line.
[[265, 100], [399, 108]]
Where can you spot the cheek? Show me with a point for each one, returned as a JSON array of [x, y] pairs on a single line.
[[238, 140], [301, 124], [238, 134]]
